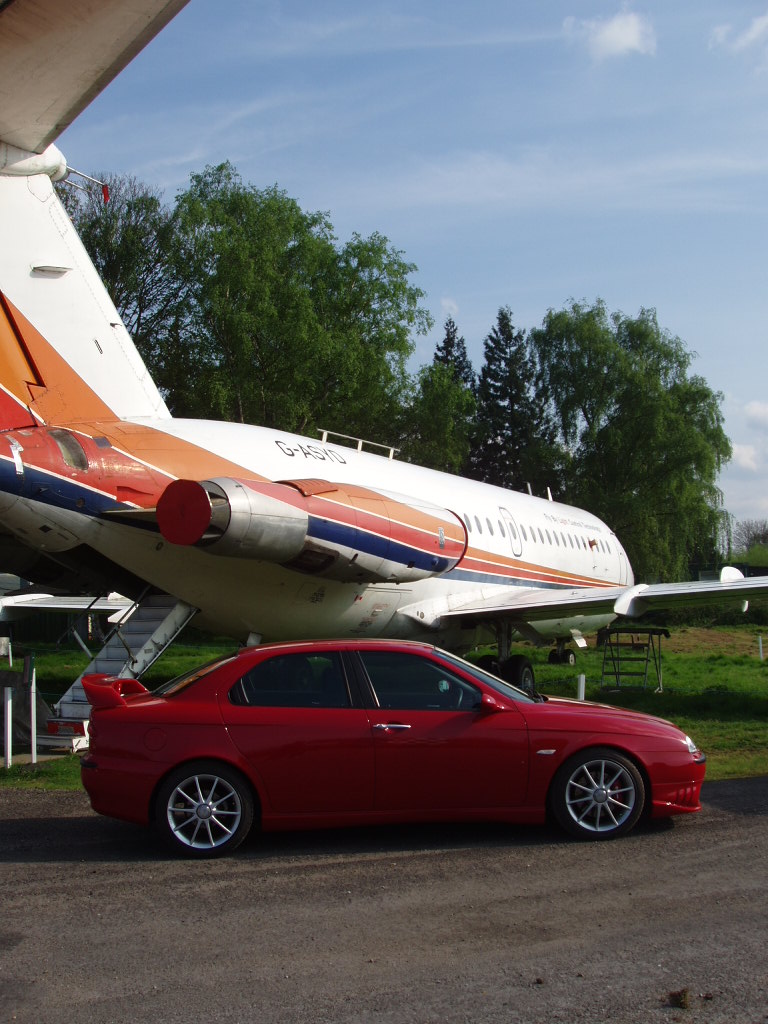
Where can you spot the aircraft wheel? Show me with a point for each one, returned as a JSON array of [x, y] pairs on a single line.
[[519, 671], [204, 809]]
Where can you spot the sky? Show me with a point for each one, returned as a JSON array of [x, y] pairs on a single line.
[[520, 154]]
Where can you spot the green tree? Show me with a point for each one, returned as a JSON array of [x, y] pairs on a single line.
[[645, 438], [127, 239], [452, 352], [512, 443], [437, 421], [278, 324]]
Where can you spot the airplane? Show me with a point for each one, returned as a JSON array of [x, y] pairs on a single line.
[[259, 534]]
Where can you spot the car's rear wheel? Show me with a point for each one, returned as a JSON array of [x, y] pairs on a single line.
[[598, 794], [204, 809]]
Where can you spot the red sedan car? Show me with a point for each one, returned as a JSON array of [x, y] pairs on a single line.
[[333, 733]]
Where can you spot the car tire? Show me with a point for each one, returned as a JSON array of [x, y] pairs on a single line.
[[204, 809], [597, 794]]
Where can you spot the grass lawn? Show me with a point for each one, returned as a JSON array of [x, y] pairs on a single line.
[[715, 687]]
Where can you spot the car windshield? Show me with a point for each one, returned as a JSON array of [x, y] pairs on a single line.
[[174, 686], [505, 689]]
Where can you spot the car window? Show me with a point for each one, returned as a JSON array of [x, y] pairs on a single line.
[[179, 683], [403, 681], [294, 681]]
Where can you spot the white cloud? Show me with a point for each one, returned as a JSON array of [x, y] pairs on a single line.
[[755, 35], [757, 415], [745, 457], [449, 307], [624, 33]]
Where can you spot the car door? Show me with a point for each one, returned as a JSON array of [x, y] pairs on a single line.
[[293, 718], [436, 748]]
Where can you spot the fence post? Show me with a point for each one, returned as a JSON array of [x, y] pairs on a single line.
[[8, 745], [760, 645], [581, 687], [33, 713]]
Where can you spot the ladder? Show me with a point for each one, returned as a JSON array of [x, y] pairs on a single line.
[[629, 655], [148, 627]]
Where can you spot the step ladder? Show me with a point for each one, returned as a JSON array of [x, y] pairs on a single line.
[[629, 655], [143, 632]]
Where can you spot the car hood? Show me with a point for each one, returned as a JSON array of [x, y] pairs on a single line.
[[566, 712]]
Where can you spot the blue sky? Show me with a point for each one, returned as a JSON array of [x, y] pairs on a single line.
[[519, 153]]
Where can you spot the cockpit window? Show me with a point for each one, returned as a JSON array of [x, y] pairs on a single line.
[[71, 450]]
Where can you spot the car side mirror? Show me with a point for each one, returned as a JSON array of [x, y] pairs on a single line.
[[488, 703]]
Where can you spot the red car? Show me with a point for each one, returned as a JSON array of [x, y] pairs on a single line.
[[333, 733]]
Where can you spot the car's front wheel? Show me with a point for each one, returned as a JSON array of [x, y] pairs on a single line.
[[204, 809], [597, 794]]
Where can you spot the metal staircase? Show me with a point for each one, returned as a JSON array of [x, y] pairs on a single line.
[[140, 637]]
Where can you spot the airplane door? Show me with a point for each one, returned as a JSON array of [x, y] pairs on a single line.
[[513, 532]]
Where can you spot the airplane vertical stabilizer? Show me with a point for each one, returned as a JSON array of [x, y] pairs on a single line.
[[65, 354]]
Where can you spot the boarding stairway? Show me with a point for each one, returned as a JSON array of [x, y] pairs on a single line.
[[140, 636]]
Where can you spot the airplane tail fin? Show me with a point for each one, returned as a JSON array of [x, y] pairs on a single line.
[[65, 354]]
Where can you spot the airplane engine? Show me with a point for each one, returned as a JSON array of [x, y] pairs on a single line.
[[339, 531]]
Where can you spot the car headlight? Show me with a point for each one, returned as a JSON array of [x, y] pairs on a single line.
[[692, 748]]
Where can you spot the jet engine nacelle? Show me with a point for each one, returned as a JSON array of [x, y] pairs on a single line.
[[314, 526]]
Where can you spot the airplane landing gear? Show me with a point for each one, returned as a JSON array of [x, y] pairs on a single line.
[[561, 655]]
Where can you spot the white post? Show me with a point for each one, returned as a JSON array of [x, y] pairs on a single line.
[[33, 715], [581, 686], [760, 645], [8, 746]]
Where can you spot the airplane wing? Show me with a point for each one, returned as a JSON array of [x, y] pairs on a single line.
[[16, 606], [529, 605], [55, 57]]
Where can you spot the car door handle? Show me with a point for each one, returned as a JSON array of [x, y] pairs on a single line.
[[391, 726]]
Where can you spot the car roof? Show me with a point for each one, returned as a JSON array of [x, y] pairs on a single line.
[[346, 644]]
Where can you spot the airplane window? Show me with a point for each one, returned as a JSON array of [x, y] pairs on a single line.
[[512, 530], [522, 530], [570, 538], [533, 535], [71, 450], [541, 535], [584, 544], [477, 524], [501, 529], [490, 528], [549, 539], [565, 545], [468, 521]]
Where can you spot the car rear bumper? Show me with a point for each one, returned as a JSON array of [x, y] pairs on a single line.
[[117, 793]]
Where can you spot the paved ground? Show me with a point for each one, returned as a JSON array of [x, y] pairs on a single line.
[[423, 925]]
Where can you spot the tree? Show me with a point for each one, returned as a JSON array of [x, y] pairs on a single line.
[[452, 352], [277, 324], [512, 444], [437, 421], [645, 438], [127, 239], [749, 532]]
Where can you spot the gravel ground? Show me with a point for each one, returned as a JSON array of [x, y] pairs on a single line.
[[439, 924]]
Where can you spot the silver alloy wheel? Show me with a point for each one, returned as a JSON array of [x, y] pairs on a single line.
[[204, 811], [600, 795]]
